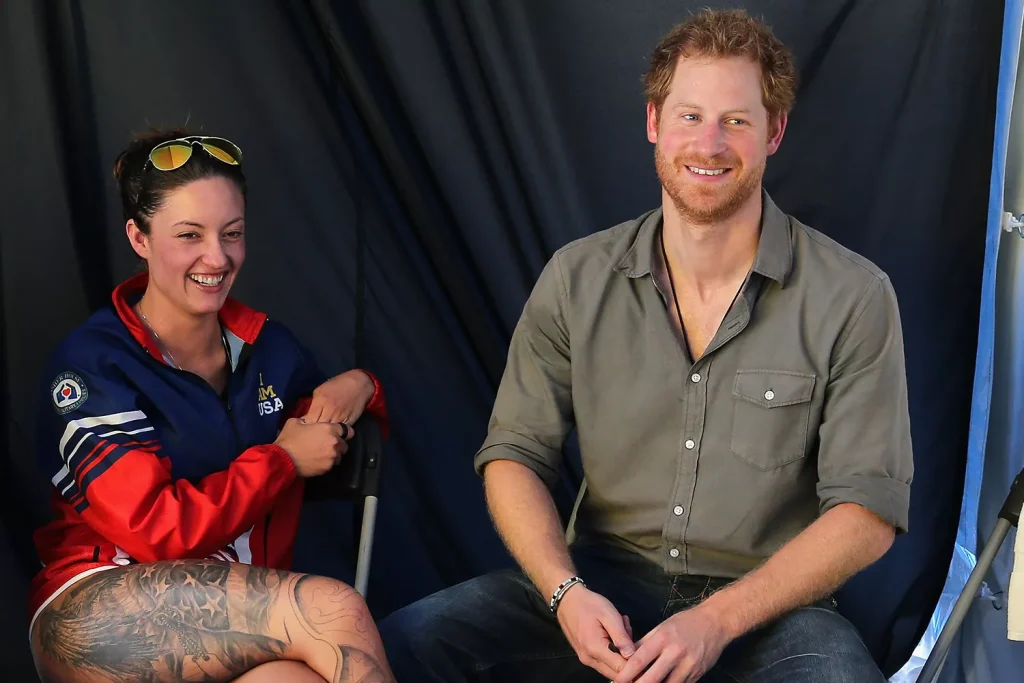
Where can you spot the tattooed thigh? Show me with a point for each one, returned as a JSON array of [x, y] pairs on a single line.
[[201, 620]]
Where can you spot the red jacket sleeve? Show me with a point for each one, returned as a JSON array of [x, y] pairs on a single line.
[[376, 407], [113, 475], [300, 408], [137, 506]]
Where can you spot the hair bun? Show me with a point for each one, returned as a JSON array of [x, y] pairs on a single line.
[[119, 166]]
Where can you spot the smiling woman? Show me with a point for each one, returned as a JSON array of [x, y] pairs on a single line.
[[185, 217], [180, 426]]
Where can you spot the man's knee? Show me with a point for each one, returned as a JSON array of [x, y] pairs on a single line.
[[401, 629], [466, 626], [438, 631], [460, 606], [810, 644], [842, 666]]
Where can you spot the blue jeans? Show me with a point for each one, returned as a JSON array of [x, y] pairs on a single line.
[[498, 628]]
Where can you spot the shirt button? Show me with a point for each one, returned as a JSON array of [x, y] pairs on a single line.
[[674, 552], [695, 377], [769, 395], [689, 444], [677, 510]]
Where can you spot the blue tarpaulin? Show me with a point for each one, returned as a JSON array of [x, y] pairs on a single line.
[[982, 653]]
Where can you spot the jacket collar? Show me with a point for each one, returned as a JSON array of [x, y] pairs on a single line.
[[237, 318]]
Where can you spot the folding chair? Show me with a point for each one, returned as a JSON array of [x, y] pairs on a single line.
[[357, 477]]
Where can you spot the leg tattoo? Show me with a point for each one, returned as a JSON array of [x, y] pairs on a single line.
[[332, 611], [205, 620]]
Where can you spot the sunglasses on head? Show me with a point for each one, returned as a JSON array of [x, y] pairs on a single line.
[[173, 154]]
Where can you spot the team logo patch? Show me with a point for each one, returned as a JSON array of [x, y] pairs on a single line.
[[68, 392]]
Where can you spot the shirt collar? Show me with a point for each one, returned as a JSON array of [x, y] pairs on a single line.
[[774, 250]]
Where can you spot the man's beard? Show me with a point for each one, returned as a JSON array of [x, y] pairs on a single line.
[[705, 205]]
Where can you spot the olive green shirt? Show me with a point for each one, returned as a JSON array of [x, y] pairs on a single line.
[[798, 404]]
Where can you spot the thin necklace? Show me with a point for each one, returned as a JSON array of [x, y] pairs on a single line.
[[159, 342], [166, 351]]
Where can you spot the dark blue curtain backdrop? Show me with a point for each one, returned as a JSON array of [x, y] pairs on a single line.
[[412, 165]]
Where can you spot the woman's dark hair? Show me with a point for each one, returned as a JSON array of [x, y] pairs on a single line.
[[143, 189]]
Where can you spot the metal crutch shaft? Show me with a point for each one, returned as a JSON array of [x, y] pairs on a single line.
[[1009, 516], [937, 657], [366, 544]]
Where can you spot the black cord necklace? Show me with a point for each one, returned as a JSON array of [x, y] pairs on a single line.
[[675, 299], [672, 284]]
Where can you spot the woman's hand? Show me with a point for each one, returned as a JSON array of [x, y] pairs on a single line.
[[341, 399], [314, 448]]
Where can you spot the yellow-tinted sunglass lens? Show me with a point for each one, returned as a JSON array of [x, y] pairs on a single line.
[[221, 154], [171, 156]]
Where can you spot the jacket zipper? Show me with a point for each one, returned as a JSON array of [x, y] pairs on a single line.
[[226, 400]]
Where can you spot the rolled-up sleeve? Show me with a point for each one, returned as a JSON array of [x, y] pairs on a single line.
[[865, 454], [532, 414]]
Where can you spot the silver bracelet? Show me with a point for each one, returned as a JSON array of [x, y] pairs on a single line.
[[556, 598]]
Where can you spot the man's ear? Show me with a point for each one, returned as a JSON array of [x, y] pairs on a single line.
[[138, 239], [652, 122], [776, 129]]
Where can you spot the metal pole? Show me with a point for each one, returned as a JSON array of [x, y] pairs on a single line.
[[937, 658], [366, 544], [1009, 516]]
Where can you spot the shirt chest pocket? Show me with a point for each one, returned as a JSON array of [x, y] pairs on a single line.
[[771, 414]]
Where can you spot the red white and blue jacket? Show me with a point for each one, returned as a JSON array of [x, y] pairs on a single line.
[[149, 463]]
